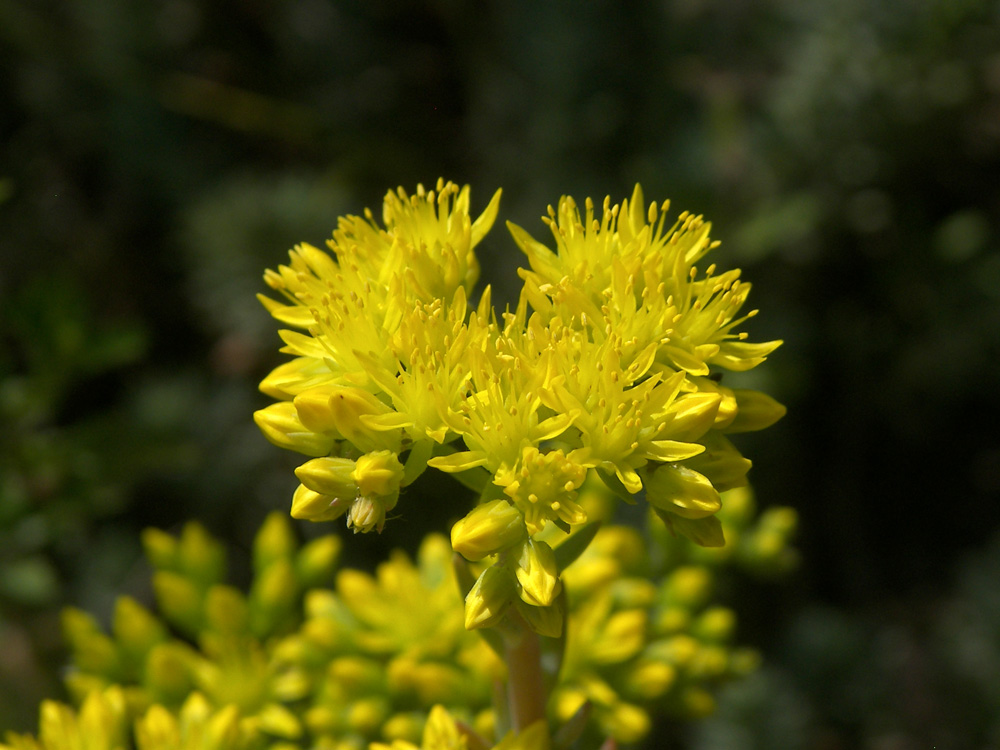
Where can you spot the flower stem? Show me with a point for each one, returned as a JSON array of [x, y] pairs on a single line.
[[525, 682]]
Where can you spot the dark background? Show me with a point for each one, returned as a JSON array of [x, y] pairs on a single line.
[[157, 155]]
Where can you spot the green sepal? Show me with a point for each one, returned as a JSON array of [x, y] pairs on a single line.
[[615, 484], [705, 532], [466, 580]]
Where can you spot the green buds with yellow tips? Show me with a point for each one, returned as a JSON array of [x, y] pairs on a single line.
[[682, 491], [537, 573], [169, 671], [135, 629], [489, 598], [688, 587], [317, 560], [226, 610], [487, 529], [310, 505], [180, 599], [367, 513], [93, 650], [274, 541], [365, 489]]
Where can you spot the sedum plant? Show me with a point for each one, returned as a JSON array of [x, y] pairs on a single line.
[[603, 385]]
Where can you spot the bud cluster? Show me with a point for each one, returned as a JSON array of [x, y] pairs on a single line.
[[297, 662]]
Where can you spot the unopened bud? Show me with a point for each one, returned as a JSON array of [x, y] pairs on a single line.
[[378, 473], [368, 513], [682, 491], [329, 476], [756, 411], [281, 425], [537, 573], [274, 541], [487, 529], [315, 506], [489, 598]]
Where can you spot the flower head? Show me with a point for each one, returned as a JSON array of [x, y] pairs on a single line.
[[607, 364]]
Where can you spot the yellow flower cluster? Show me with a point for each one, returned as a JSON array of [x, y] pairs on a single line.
[[102, 724], [605, 365], [297, 663], [649, 639]]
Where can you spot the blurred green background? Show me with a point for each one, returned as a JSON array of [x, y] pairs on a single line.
[[157, 155]]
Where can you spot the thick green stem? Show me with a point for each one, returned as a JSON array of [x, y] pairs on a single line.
[[525, 682]]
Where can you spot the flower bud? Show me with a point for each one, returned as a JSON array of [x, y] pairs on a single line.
[[537, 573], [329, 476], [272, 597], [378, 473], [169, 672], [756, 411], [199, 556], [135, 629], [365, 715], [407, 727], [689, 587], [225, 610], [682, 491], [722, 464], [489, 598], [314, 506], [368, 512], [342, 409], [281, 425], [487, 529], [160, 548], [624, 636], [317, 559], [277, 720], [650, 679], [628, 723], [693, 414], [179, 600], [274, 541], [93, 651], [715, 625]]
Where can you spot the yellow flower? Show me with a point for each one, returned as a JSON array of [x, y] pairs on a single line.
[[605, 363], [197, 727], [543, 486], [627, 274]]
